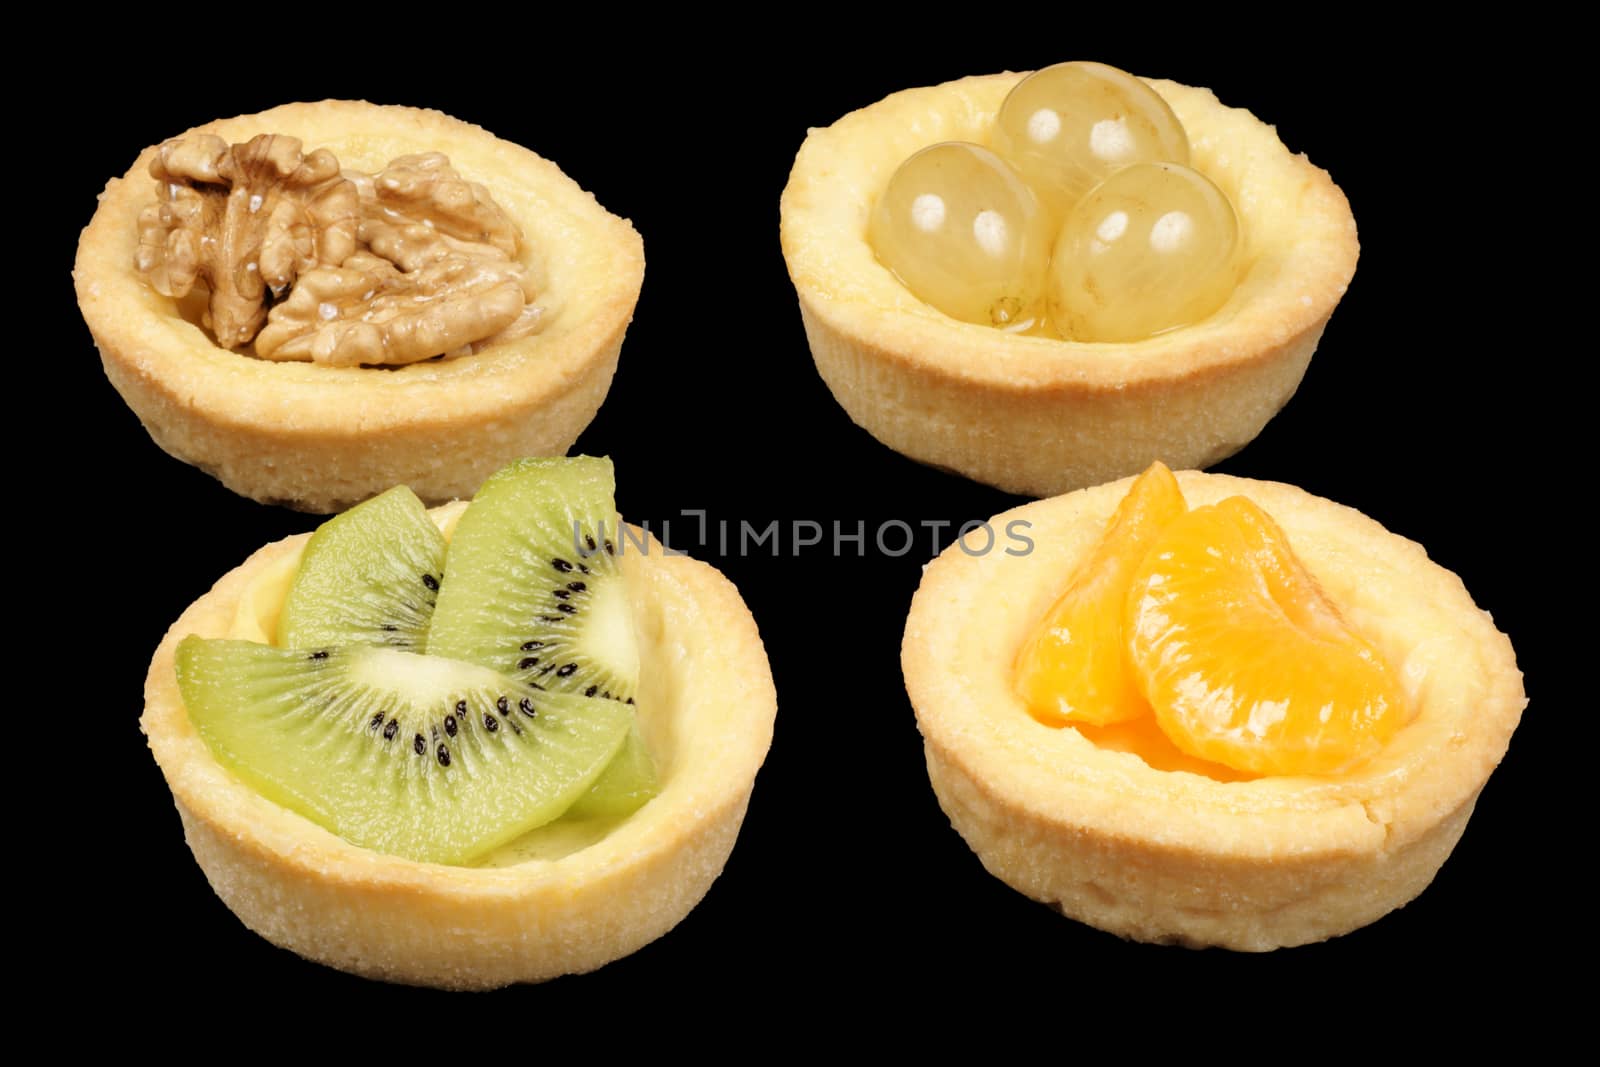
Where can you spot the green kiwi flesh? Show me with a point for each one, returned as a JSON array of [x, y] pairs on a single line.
[[526, 594], [369, 576], [627, 782], [412, 755], [533, 588]]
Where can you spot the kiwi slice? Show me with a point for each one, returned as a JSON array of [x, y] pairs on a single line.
[[532, 585], [533, 588], [369, 576], [627, 782], [413, 755]]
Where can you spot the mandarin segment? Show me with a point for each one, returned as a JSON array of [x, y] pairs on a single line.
[[1242, 656], [1073, 668]]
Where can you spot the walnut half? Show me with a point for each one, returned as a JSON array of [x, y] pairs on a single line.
[[425, 188], [243, 220], [386, 269], [367, 312]]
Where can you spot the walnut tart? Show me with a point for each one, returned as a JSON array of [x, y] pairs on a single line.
[[322, 300]]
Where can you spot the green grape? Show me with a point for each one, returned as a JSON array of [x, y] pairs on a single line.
[[961, 230], [1068, 127], [1153, 247]]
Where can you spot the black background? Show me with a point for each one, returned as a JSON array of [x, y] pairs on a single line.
[[847, 883]]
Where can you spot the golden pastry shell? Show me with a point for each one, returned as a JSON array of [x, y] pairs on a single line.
[[1175, 856], [321, 438], [1037, 415], [706, 707]]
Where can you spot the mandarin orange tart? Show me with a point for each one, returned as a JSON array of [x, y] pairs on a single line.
[[1046, 281], [322, 300], [1207, 710], [489, 743]]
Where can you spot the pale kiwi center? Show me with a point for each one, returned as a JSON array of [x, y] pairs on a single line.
[[424, 680], [610, 630]]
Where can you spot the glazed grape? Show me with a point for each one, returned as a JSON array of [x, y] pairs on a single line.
[[1153, 247], [961, 230], [1068, 127]]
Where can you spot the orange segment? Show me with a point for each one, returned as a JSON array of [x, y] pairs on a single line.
[[1244, 659], [1073, 668]]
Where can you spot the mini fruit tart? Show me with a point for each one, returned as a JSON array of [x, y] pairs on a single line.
[[1207, 710], [323, 300], [1047, 289], [489, 743]]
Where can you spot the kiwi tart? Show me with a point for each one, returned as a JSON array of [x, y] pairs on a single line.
[[503, 720]]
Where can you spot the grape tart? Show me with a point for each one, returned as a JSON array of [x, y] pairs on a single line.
[[1035, 414]]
